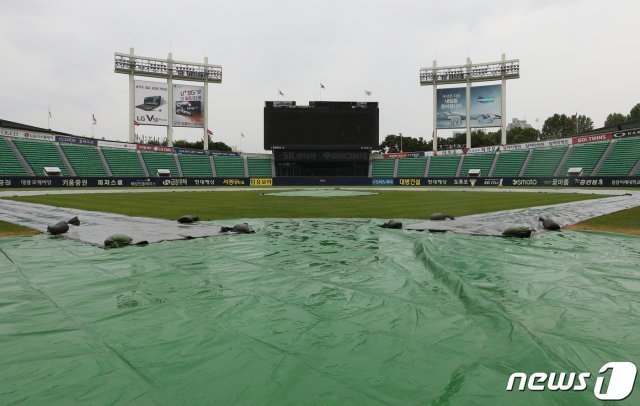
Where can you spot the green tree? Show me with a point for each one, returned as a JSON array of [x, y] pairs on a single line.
[[396, 143], [558, 126], [614, 118], [214, 146], [584, 124], [634, 114], [522, 135]]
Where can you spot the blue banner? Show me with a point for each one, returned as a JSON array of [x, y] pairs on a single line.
[[485, 106]]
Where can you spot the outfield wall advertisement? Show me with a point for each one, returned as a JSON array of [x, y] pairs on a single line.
[[151, 103], [83, 182], [188, 106], [486, 107]]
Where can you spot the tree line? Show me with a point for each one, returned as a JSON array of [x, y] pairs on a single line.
[[556, 126]]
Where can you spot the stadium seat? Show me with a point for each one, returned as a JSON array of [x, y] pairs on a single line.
[[584, 156], [259, 167], [478, 161], [159, 160], [84, 159], [444, 166], [545, 161], [9, 163], [39, 154], [123, 162], [510, 163], [229, 166], [383, 168], [195, 165], [622, 158], [411, 167]]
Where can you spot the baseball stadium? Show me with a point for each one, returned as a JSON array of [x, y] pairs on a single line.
[[324, 271]]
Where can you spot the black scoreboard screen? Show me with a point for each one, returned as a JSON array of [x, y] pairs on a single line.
[[321, 126]]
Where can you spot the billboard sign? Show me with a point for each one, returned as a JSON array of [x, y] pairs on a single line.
[[486, 106], [151, 103], [452, 108], [188, 106]]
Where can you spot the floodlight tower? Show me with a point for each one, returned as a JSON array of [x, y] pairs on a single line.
[[468, 73], [169, 69]]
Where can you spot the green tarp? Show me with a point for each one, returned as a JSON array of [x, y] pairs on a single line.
[[326, 312]]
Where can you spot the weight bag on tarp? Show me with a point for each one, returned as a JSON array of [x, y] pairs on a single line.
[[188, 219], [549, 224], [117, 240], [441, 216], [74, 221], [243, 228], [518, 232], [392, 224], [58, 228]]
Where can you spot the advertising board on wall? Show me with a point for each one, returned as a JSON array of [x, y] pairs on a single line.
[[151, 103], [485, 107], [188, 108]]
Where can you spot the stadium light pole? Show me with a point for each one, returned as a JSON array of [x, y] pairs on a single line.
[[170, 70], [467, 74]]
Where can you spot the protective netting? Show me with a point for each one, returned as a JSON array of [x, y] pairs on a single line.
[[314, 312]]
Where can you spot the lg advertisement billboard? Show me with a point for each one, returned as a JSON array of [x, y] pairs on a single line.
[[188, 106], [151, 103]]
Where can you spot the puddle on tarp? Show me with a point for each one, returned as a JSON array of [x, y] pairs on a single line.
[[314, 312], [321, 193]]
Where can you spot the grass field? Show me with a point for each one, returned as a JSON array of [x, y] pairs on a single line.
[[255, 204]]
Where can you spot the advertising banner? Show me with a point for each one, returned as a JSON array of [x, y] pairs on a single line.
[[119, 145], [188, 106], [155, 148], [8, 132], [486, 106], [451, 111], [626, 133], [151, 103], [76, 140], [591, 138]]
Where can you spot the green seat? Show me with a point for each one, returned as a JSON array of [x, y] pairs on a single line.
[[477, 161], [229, 166], [9, 163], [159, 160], [510, 163], [623, 157], [84, 159], [123, 162], [411, 167], [444, 166], [195, 165], [383, 168], [584, 156], [259, 167], [545, 161], [40, 154]]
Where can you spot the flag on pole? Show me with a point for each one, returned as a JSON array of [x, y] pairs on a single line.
[[321, 86], [242, 135], [136, 122], [49, 111], [280, 92], [94, 119], [367, 92], [209, 132]]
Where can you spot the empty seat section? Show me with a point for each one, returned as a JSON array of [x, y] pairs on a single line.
[[411, 167], [544, 161], [510, 163], [123, 162], [159, 160], [477, 161], [383, 168], [584, 156], [195, 165], [442, 166], [9, 163], [259, 167], [229, 166], [84, 159], [39, 154], [622, 158]]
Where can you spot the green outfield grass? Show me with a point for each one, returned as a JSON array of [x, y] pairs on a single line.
[[625, 221], [254, 204], [11, 230]]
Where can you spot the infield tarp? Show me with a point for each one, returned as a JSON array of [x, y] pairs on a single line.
[[317, 313]]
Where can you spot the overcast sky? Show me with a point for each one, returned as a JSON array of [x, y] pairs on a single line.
[[575, 56]]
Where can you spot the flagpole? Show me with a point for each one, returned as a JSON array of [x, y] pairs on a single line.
[[49, 117]]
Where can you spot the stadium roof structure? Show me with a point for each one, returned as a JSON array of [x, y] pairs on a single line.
[[625, 125], [26, 127]]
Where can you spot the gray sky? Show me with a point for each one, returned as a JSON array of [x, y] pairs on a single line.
[[575, 56]]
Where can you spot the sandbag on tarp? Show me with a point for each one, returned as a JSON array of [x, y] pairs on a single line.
[[117, 240], [58, 228], [441, 216], [518, 232], [392, 224], [242, 228], [188, 219], [74, 221], [549, 224]]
